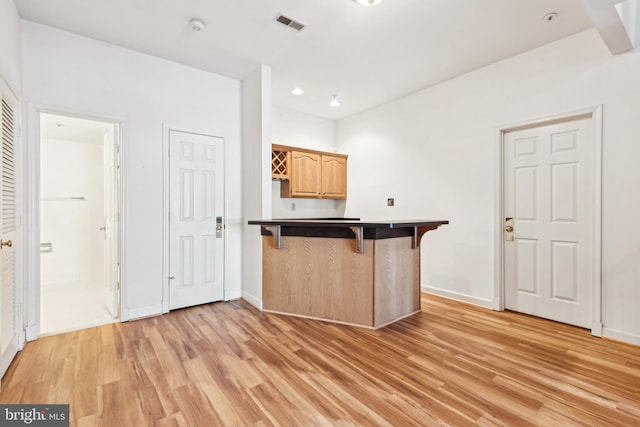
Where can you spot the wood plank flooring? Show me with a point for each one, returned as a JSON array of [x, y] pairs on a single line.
[[228, 364]]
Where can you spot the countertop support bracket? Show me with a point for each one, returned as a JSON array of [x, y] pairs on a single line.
[[418, 232], [358, 231], [275, 231]]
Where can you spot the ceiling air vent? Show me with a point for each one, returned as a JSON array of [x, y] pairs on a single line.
[[289, 22]]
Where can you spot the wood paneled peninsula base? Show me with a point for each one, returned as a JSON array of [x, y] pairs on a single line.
[[359, 273]]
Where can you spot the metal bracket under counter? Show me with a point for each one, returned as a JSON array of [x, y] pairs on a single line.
[[347, 229], [276, 231], [418, 232], [358, 231]]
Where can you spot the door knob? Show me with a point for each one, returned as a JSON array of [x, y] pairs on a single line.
[[218, 227], [508, 228], [7, 243]]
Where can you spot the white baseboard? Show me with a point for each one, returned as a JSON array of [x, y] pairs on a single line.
[[251, 299], [138, 313], [32, 332], [233, 295], [617, 335], [486, 303]]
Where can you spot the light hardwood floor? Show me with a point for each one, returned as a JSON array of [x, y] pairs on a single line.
[[228, 364]]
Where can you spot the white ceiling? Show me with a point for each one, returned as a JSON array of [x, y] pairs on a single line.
[[365, 55], [68, 128]]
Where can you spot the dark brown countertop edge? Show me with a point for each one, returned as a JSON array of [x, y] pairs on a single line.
[[349, 223], [346, 229]]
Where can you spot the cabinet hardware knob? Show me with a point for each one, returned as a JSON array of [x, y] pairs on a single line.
[[7, 243]]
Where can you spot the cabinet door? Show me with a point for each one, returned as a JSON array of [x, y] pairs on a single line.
[[334, 177], [305, 174]]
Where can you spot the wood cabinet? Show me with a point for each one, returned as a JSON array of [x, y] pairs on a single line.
[[309, 173], [334, 177], [305, 176]]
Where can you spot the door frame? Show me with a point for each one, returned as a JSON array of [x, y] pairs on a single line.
[[32, 210], [595, 114], [166, 130]]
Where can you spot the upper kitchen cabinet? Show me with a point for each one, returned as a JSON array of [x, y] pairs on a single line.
[[306, 174], [309, 173], [334, 176]]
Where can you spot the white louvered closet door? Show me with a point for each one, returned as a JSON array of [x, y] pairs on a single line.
[[8, 302]]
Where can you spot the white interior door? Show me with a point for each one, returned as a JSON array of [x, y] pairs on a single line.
[[111, 276], [549, 193], [9, 328], [196, 208]]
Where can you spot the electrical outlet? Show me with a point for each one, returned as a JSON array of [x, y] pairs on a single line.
[[293, 206], [390, 201]]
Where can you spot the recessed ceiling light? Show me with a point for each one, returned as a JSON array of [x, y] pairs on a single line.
[[197, 24], [297, 91], [367, 2], [550, 16], [334, 101]]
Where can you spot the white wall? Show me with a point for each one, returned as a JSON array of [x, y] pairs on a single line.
[[256, 185], [304, 131], [78, 74], [435, 151], [72, 169], [10, 63]]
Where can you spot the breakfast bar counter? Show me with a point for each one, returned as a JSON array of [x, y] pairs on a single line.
[[363, 273]]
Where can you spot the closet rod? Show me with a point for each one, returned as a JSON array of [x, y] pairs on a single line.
[[50, 199]]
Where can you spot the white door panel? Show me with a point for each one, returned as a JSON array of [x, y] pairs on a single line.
[[196, 193], [9, 327], [549, 193]]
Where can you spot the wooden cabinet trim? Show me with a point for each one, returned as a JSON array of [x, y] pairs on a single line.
[[278, 147]]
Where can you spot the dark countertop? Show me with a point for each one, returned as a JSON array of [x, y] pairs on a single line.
[[349, 222], [346, 228]]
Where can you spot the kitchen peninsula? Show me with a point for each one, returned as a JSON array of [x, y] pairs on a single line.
[[363, 273]]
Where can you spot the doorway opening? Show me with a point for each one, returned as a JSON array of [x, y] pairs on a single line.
[[79, 216]]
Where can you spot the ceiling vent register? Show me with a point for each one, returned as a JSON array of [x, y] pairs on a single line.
[[290, 22]]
